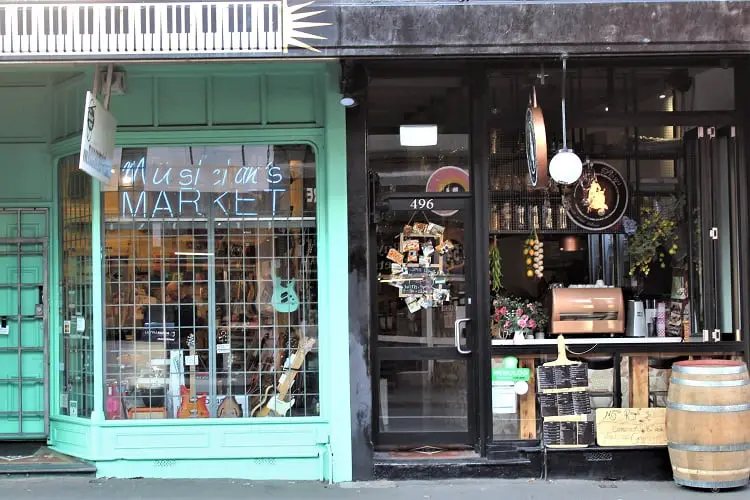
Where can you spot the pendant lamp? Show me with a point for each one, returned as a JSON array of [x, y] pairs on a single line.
[[566, 166]]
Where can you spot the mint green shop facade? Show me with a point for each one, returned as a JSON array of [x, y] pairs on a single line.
[[209, 105]]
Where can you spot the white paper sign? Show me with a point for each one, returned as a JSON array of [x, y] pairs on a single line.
[[223, 348], [4, 330], [97, 140], [191, 360], [80, 324]]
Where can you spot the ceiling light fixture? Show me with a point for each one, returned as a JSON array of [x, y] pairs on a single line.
[[348, 101], [662, 96], [418, 135], [566, 166]]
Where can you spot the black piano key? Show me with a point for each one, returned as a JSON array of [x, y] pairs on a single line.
[[64, 20], [241, 17], [46, 24], [170, 21], [2, 21], [273, 24]]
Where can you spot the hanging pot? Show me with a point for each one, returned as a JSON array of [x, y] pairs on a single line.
[[536, 143]]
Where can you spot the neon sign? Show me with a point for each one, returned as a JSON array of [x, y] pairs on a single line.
[[166, 191]]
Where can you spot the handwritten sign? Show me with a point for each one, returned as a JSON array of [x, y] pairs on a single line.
[[631, 426]]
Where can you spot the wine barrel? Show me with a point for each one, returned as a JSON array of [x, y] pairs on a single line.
[[708, 423]]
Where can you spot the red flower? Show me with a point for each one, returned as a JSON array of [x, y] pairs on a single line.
[[503, 311], [519, 312], [532, 323]]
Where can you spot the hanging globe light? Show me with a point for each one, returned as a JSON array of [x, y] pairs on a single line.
[[566, 167]]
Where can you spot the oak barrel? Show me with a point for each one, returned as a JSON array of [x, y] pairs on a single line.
[[708, 423]]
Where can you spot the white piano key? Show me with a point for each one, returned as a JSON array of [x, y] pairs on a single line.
[[237, 11], [197, 36], [60, 36], [134, 41], [86, 37], [37, 33], [122, 37], [174, 36], [148, 37], [22, 31], [71, 33], [256, 11], [96, 21], [245, 34], [7, 38], [105, 45], [260, 23], [184, 27], [161, 37], [270, 36], [220, 27]]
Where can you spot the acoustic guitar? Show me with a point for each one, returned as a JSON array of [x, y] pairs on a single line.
[[229, 407], [190, 405], [280, 404]]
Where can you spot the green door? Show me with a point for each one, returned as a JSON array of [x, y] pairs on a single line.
[[24, 389]]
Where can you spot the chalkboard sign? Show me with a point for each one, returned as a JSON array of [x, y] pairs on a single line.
[[563, 376], [562, 434], [565, 404], [418, 287]]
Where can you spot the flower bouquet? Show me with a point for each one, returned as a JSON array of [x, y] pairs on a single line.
[[512, 314]]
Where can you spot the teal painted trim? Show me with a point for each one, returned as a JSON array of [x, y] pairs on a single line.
[[97, 289], [335, 280]]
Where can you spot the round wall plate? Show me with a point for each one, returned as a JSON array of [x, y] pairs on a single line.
[[603, 203]]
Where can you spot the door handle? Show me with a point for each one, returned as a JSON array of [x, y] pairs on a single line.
[[457, 335]]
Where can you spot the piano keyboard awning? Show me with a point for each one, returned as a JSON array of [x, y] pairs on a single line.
[[155, 29]]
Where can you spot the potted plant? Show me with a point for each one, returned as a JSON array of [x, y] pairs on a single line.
[[517, 316], [655, 239]]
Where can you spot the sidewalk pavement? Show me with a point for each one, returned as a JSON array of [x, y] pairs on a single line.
[[78, 488]]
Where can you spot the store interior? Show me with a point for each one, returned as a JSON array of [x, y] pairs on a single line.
[[624, 253]]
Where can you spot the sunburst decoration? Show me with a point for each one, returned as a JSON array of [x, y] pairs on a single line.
[[295, 23]]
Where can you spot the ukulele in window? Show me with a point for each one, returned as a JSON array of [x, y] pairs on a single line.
[[190, 405], [280, 404], [229, 407]]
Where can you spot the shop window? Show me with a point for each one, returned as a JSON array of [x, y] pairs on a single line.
[[77, 344], [211, 283]]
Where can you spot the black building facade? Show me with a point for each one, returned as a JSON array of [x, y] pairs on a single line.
[[656, 93]]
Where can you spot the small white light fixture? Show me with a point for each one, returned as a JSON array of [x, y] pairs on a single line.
[[662, 96], [348, 101], [566, 167], [606, 108], [418, 135]]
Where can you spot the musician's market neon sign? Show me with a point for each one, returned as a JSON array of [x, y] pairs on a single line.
[[169, 192]]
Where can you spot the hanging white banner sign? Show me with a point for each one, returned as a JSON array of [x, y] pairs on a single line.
[[97, 140]]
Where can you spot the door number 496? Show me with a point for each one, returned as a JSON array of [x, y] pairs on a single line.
[[422, 203]]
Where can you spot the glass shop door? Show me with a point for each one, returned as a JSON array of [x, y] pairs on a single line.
[[423, 367]]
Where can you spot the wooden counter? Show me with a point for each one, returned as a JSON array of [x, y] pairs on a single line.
[[637, 350]]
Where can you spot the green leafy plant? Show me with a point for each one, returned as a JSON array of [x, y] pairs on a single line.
[[496, 271], [656, 233]]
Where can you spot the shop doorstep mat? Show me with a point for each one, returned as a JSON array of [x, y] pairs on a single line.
[[31, 454]]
